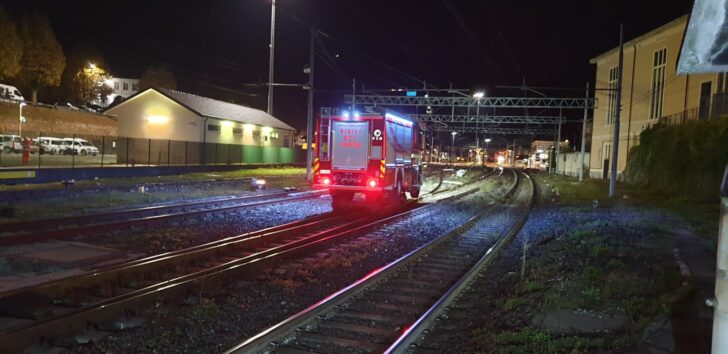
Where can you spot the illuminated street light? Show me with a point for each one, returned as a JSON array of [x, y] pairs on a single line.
[[92, 66], [487, 141], [452, 145], [479, 94]]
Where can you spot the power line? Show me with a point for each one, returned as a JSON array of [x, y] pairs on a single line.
[[471, 35]]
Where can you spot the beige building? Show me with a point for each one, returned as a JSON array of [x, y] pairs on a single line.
[[652, 92], [158, 126]]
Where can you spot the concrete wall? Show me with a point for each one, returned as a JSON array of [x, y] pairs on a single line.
[[681, 92], [54, 122], [569, 164]]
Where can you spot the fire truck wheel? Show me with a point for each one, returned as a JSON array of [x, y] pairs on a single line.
[[415, 192]]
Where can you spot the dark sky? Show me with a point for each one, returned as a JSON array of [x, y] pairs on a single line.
[[215, 47]]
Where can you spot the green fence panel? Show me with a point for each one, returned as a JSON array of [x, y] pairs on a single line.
[[252, 154], [286, 155], [270, 155]]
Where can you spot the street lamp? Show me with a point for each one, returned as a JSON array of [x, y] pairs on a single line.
[[272, 47], [477, 95], [21, 119], [487, 141], [452, 145]]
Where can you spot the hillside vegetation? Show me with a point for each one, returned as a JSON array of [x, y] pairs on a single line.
[[686, 160]]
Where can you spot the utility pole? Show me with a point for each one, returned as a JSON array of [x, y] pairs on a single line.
[[583, 137], [558, 143], [617, 113], [720, 304], [271, 55], [353, 94], [309, 115]]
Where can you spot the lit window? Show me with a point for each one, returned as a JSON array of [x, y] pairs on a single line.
[[659, 65], [611, 106]]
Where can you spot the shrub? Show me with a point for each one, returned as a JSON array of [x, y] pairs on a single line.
[[687, 159]]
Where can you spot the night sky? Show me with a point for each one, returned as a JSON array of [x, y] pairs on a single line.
[[214, 47]]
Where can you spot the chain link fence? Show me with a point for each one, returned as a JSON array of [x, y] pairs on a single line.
[[46, 150]]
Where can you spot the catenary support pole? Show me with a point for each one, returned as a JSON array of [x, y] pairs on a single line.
[[617, 113], [583, 138], [558, 143], [720, 317], [271, 56], [309, 113]]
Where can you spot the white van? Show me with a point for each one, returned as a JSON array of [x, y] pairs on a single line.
[[50, 145], [79, 147], [10, 92], [11, 143]]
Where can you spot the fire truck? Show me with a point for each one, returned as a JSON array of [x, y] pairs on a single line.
[[367, 159]]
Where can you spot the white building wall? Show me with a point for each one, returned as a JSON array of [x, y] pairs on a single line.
[[140, 118], [121, 87]]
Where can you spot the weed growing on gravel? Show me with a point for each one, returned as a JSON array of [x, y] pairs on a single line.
[[206, 310], [530, 340]]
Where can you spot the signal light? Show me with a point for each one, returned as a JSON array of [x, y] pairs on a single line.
[[372, 183], [326, 181]]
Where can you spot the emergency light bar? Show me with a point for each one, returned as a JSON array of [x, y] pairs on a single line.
[[399, 120]]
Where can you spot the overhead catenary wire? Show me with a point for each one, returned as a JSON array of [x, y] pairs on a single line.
[[474, 38]]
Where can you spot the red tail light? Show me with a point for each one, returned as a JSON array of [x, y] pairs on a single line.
[[372, 183]]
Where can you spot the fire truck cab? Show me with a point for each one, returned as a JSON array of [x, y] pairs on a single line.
[[367, 159]]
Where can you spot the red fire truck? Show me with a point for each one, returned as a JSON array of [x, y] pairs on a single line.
[[367, 159]]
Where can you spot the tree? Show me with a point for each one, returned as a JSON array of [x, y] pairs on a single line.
[[91, 84], [43, 60], [11, 48], [83, 79], [158, 77]]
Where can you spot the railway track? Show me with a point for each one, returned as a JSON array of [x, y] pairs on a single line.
[[389, 309], [66, 306], [60, 228]]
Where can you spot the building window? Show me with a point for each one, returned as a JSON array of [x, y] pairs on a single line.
[[611, 106], [607, 152], [135, 87], [116, 85], [213, 128], [274, 135], [238, 131], [126, 86], [286, 141], [659, 64]]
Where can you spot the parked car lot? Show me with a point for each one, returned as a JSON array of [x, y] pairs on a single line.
[[48, 145], [79, 147]]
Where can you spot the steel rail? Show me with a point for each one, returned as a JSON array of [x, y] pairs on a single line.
[[414, 333], [107, 308], [22, 238], [262, 341], [34, 225]]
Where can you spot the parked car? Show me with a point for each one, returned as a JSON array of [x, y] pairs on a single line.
[[11, 143], [14, 143], [10, 92], [79, 147], [50, 145], [66, 105]]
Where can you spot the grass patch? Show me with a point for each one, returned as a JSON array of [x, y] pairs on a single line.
[[700, 213]]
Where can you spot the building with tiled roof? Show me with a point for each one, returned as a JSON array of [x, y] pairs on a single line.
[[198, 129]]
